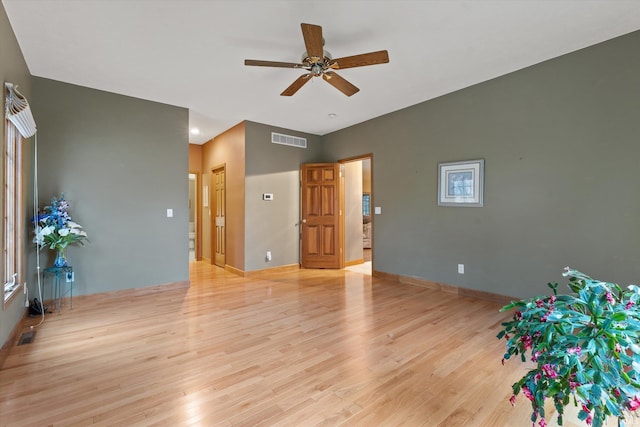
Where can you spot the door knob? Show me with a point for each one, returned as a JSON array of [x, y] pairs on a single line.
[[304, 221]]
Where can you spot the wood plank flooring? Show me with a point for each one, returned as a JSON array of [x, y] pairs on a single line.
[[303, 348]]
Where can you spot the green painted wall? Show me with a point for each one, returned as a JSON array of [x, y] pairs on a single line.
[[561, 145], [121, 163], [273, 168], [13, 69]]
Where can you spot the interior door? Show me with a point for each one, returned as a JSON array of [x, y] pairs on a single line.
[[220, 235], [321, 238]]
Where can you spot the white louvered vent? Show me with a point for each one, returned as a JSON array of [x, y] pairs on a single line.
[[293, 141]]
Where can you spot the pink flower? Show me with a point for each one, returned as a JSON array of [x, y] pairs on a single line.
[[542, 423], [616, 392], [634, 403], [574, 350], [589, 420], [572, 381], [526, 341], [518, 315], [512, 400], [629, 305], [552, 299], [527, 393], [618, 348], [535, 356], [549, 370], [609, 297]]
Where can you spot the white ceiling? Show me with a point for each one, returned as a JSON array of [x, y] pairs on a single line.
[[190, 53]]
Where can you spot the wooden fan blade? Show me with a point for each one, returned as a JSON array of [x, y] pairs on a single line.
[[313, 41], [272, 64], [362, 60], [339, 83], [295, 86]]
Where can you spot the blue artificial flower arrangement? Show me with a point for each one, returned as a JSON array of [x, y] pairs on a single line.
[[54, 227]]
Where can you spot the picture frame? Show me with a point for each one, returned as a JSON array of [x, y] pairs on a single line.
[[461, 183]]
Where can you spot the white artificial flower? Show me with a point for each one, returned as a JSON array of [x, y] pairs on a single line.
[[47, 230], [38, 239], [64, 232], [75, 231], [72, 224]]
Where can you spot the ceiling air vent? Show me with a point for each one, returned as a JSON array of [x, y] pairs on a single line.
[[293, 141]]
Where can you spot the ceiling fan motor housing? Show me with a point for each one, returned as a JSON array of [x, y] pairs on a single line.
[[317, 66]]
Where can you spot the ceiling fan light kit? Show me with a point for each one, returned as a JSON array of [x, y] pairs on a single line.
[[320, 63]]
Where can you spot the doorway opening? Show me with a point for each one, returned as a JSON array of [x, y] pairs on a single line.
[[336, 221], [358, 217]]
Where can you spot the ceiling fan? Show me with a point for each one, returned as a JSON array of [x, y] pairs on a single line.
[[318, 62]]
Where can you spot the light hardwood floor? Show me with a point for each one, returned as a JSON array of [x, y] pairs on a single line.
[[304, 348]]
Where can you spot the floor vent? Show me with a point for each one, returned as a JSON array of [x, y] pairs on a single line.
[[27, 338], [292, 141]]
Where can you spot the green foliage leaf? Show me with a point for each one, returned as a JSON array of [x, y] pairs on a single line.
[[618, 316]]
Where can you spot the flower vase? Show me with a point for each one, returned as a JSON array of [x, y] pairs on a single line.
[[61, 258]]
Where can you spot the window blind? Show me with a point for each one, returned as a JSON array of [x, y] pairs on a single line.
[[18, 111]]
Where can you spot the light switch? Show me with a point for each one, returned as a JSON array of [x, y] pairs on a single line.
[[169, 213], [377, 210]]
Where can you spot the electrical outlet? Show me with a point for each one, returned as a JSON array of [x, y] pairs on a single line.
[[69, 276], [24, 288], [268, 257], [460, 268]]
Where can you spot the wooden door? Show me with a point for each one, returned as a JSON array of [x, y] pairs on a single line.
[[321, 239], [219, 221]]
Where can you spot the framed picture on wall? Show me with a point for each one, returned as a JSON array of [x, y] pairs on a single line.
[[461, 183]]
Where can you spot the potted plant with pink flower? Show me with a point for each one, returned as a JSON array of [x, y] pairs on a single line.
[[584, 347]]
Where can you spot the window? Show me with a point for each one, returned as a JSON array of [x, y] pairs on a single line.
[[13, 223], [366, 204]]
